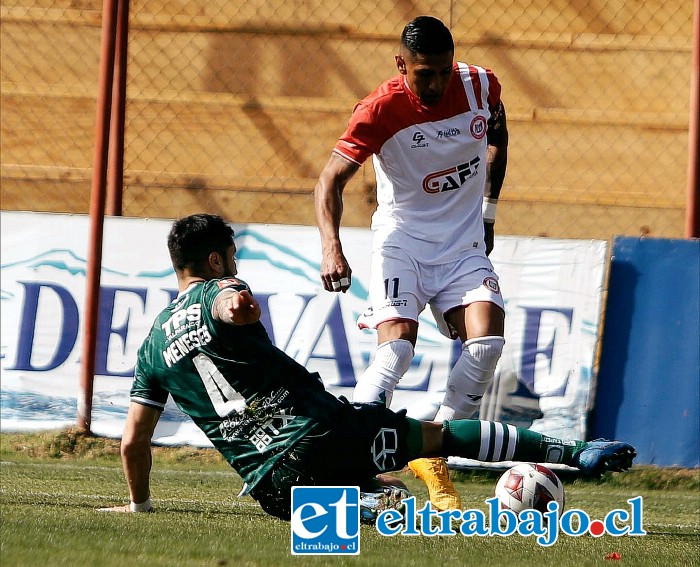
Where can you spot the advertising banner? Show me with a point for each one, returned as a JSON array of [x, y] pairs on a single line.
[[552, 290]]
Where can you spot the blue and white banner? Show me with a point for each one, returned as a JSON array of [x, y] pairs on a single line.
[[552, 290]]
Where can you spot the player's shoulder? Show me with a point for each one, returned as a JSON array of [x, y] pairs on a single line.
[[229, 283], [224, 283], [472, 68], [480, 77], [388, 93]]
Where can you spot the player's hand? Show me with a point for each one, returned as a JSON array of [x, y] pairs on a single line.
[[489, 236], [243, 308], [126, 509], [336, 274]]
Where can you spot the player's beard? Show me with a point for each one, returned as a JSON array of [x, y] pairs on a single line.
[[230, 270]]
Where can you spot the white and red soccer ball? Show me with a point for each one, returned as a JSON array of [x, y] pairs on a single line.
[[529, 486]]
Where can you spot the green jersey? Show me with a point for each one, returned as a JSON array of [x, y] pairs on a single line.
[[252, 401]]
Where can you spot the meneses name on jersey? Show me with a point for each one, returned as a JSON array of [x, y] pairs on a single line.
[[182, 338]]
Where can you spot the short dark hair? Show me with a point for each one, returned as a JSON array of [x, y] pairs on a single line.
[[427, 35], [193, 238]]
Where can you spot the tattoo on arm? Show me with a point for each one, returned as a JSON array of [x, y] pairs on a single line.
[[220, 310], [497, 131], [497, 152]]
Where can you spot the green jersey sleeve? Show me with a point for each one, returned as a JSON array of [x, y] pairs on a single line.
[[145, 389]]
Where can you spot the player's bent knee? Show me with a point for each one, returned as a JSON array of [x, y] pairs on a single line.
[[470, 377], [396, 355], [485, 351]]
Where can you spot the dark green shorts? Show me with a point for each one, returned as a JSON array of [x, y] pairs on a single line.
[[362, 441]]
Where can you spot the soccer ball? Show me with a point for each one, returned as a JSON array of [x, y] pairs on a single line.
[[529, 486]]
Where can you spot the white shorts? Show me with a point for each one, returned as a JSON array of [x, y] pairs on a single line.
[[400, 288]]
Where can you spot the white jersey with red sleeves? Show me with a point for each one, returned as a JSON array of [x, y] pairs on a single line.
[[430, 163]]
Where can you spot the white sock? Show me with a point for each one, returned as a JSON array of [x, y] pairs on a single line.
[[470, 378], [391, 361]]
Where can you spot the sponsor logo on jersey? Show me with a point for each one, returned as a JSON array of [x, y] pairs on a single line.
[[419, 141], [260, 421], [448, 133], [451, 178], [182, 318], [478, 127]]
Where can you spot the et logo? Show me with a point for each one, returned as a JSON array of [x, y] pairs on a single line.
[[325, 520]]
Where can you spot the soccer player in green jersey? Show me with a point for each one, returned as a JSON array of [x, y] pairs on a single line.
[[271, 418]]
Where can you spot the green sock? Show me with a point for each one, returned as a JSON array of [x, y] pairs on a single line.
[[414, 438], [492, 441]]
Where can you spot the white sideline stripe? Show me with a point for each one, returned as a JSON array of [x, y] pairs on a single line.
[[231, 503], [156, 471], [679, 526], [74, 495]]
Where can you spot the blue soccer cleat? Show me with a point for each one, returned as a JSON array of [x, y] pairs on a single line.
[[374, 503], [601, 455]]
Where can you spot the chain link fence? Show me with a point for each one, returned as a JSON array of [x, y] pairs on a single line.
[[233, 107]]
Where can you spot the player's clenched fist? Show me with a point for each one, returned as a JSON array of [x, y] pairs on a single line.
[[237, 307]]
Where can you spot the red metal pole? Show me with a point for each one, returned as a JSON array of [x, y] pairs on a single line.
[[692, 218], [97, 209], [115, 170]]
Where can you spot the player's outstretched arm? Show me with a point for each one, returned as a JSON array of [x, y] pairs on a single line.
[[136, 457]]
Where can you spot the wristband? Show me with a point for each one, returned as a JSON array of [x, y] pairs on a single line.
[[488, 210], [146, 506]]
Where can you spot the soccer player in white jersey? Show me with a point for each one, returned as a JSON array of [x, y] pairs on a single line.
[[438, 138]]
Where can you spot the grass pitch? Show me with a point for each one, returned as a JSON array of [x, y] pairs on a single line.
[[51, 484]]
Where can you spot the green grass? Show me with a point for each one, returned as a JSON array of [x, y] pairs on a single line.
[[51, 484]]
